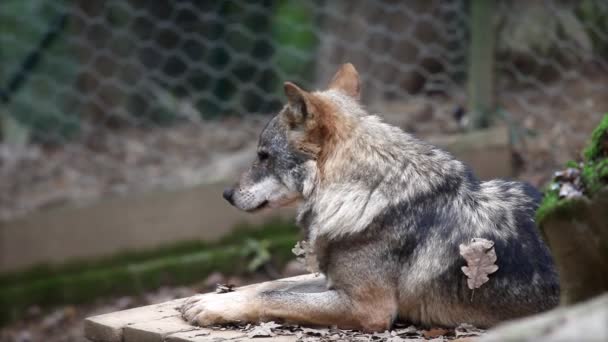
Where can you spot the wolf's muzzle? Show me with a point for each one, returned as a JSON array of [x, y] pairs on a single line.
[[229, 195]]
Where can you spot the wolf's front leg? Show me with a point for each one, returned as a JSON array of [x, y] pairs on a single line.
[[298, 303], [221, 308], [324, 308], [245, 303]]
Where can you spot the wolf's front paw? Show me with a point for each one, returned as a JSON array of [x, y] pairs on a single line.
[[219, 308]]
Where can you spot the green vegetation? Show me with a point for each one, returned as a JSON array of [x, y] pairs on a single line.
[[597, 147], [594, 176], [243, 251], [554, 206], [550, 201]]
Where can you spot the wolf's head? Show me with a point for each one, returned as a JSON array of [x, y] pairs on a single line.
[[295, 145]]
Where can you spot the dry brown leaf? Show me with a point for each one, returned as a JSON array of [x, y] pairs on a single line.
[[299, 250], [434, 332], [306, 254], [315, 332], [409, 331], [568, 190], [468, 330], [224, 288], [263, 330], [480, 256]]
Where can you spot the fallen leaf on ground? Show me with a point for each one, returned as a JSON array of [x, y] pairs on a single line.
[[568, 190], [263, 330], [468, 330], [299, 249], [480, 257], [409, 331], [317, 332], [570, 174], [305, 254], [224, 288], [434, 332]]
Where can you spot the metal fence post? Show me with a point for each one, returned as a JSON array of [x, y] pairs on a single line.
[[481, 102]]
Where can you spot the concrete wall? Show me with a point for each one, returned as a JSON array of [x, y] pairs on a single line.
[[113, 225]]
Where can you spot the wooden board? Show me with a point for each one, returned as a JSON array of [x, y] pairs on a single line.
[[163, 322]]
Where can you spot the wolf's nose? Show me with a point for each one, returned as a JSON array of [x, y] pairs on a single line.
[[228, 195]]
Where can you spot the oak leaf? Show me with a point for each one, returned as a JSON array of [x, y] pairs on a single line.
[[224, 288], [480, 257], [434, 332], [305, 254], [265, 329], [468, 330]]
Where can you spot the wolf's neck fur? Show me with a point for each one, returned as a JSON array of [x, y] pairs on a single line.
[[369, 172]]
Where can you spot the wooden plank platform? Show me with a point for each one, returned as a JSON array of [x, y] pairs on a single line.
[[163, 322], [158, 323]]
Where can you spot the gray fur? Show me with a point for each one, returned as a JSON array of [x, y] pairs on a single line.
[[390, 220]]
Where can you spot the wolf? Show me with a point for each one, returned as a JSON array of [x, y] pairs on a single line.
[[384, 214]]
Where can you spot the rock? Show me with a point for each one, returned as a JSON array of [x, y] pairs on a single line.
[[574, 222], [587, 321]]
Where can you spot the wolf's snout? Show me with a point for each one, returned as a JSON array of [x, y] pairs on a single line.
[[229, 195]]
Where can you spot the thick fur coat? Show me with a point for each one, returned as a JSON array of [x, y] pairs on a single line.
[[385, 214]]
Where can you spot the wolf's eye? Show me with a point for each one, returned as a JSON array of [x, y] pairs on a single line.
[[263, 155]]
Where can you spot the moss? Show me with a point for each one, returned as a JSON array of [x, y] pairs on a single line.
[[572, 164], [554, 206], [595, 169], [134, 273], [563, 209], [595, 176], [550, 201], [268, 230], [120, 280], [597, 146]]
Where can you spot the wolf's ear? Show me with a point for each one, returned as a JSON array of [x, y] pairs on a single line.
[[347, 81], [299, 101]]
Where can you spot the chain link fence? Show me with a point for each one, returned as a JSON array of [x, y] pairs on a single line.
[[101, 98]]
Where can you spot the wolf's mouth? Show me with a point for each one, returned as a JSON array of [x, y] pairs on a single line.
[[261, 206]]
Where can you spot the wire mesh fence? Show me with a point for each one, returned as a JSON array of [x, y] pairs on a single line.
[[110, 97]]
